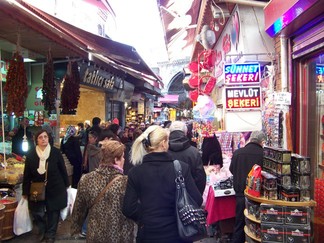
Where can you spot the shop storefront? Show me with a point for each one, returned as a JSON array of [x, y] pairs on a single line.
[[298, 27]]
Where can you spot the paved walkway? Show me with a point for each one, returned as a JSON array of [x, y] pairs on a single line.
[[63, 236]]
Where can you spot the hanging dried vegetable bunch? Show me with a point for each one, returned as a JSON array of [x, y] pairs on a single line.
[[71, 89], [49, 90], [16, 85]]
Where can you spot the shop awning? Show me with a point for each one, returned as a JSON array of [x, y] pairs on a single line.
[[169, 99], [120, 53], [46, 32]]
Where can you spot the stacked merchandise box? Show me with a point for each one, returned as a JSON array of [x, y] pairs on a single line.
[[285, 223], [301, 170]]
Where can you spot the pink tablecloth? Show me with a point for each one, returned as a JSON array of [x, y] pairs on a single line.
[[219, 208]]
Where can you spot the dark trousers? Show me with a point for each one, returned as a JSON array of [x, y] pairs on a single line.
[[239, 235], [46, 221]]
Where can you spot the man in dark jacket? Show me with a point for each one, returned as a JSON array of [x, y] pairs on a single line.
[[180, 149], [242, 162]]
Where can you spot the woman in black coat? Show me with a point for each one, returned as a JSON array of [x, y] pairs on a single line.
[[46, 213], [151, 190], [70, 146]]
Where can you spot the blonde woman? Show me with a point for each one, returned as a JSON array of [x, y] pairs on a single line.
[[106, 223], [151, 190]]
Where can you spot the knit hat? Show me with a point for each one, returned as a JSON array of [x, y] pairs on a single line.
[[257, 137]]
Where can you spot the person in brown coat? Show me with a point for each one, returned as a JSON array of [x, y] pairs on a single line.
[[106, 223]]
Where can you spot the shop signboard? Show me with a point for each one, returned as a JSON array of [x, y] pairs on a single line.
[[98, 78], [244, 73], [242, 121], [247, 97]]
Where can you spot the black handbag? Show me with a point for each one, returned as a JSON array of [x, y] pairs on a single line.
[[191, 219], [37, 189]]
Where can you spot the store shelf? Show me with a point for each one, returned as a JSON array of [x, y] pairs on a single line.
[[247, 232], [310, 203], [251, 217]]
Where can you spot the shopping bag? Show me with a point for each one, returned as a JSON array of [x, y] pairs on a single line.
[[71, 194], [22, 220], [254, 181]]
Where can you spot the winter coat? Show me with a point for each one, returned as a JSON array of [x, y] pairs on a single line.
[[242, 162], [151, 194], [180, 149], [211, 147], [106, 223], [94, 156], [57, 178]]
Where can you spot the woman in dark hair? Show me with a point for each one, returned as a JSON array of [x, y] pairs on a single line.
[[128, 165], [47, 160], [211, 146]]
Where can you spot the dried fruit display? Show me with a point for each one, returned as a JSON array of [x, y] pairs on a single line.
[[49, 90], [16, 85], [71, 89]]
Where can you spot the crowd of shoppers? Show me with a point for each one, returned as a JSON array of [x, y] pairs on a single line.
[[119, 176]]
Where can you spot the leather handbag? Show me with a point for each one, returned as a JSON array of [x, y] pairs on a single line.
[[37, 189], [191, 219]]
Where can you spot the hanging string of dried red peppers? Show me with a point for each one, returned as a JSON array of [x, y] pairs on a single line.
[[49, 90], [16, 85], [71, 89]]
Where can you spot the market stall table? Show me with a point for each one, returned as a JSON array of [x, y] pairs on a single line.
[[222, 210]]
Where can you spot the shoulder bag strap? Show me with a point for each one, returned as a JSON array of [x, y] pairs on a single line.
[[45, 181], [104, 190], [177, 168]]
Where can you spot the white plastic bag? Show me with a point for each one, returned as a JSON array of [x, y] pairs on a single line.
[[71, 194], [22, 220]]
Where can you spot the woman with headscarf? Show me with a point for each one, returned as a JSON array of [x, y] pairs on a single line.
[[106, 223], [71, 148], [46, 213]]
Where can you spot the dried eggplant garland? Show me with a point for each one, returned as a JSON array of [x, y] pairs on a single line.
[[71, 89], [16, 85], [49, 90]]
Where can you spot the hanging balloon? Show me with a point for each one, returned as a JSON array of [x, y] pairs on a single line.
[[193, 81], [194, 67], [193, 95]]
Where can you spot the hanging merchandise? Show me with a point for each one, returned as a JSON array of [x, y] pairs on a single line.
[[194, 67], [208, 59], [208, 85], [71, 89], [207, 37], [193, 81], [16, 85], [193, 95], [49, 90], [205, 108]]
